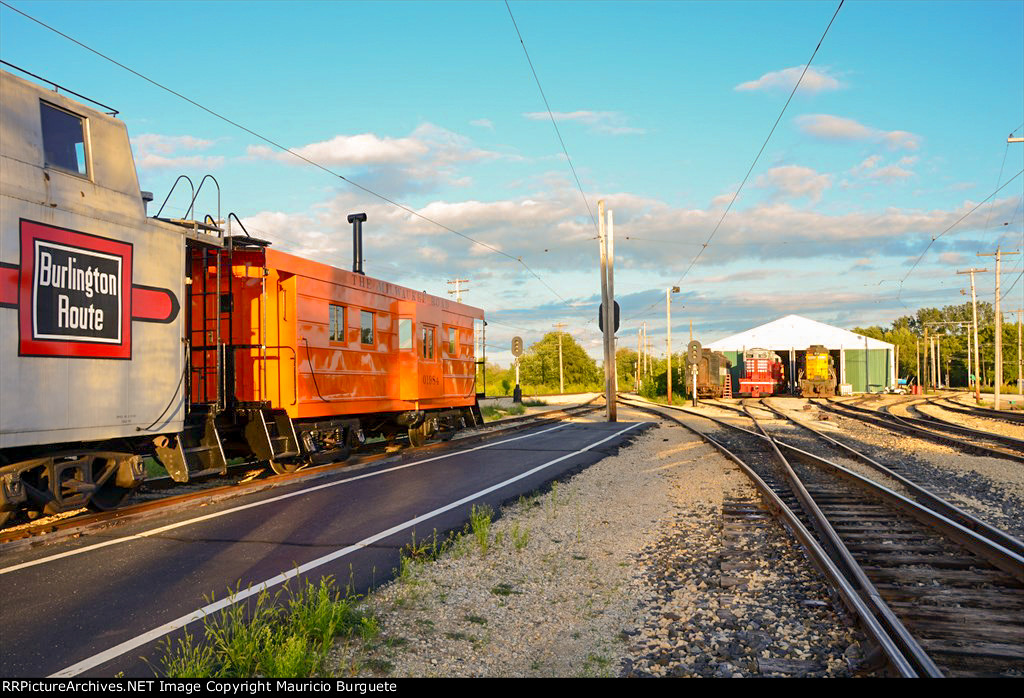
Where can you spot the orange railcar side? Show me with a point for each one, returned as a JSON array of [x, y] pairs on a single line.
[[317, 341]]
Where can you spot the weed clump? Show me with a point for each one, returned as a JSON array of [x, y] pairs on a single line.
[[284, 634]]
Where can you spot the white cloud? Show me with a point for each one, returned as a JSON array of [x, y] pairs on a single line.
[[890, 173], [482, 123], [867, 164], [419, 162], [837, 128], [610, 122], [346, 151], [814, 81], [794, 181], [158, 152]]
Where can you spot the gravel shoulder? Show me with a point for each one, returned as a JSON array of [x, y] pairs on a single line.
[[636, 566]]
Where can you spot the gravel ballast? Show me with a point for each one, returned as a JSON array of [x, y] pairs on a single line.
[[657, 561]]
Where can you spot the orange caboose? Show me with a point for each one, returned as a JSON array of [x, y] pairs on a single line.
[[300, 360]]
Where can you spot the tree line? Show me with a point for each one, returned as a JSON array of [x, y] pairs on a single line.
[[538, 370], [907, 333]]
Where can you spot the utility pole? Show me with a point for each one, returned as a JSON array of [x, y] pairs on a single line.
[[927, 362], [643, 350], [639, 360], [917, 353], [1020, 363], [561, 379], [998, 381], [457, 291], [668, 326], [606, 233], [974, 306]]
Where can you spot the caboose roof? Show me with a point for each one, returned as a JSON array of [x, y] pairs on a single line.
[[794, 331]]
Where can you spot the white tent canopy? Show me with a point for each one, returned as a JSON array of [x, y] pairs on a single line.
[[794, 331]]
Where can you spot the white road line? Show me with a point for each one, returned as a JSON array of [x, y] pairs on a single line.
[[138, 641], [207, 517]]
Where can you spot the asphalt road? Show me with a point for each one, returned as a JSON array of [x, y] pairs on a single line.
[[95, 605]]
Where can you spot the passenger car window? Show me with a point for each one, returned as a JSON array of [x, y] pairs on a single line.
[[337, 330], [366, 327], [63, 140], [404, 333]]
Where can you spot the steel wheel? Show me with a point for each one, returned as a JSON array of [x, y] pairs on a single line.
[[107, 494]]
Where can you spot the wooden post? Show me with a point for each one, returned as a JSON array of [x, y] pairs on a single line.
[[668, 339]]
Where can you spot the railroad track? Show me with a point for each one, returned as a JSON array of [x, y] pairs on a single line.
[[984, 412], [938, 598], [167, 495], [971, 441]]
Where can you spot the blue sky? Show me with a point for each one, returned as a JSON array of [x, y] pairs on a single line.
[[898, 129]]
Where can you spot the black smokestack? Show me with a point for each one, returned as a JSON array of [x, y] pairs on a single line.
[[356, 219]]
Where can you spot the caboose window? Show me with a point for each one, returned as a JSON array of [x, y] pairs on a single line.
[[63, 140], [404, 333], [453, 335], [427, 342], [366, 327], [337, 329]]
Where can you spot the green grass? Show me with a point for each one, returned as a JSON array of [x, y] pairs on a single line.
[[491, 413], [154, 469], [285, 634], [480, 525]]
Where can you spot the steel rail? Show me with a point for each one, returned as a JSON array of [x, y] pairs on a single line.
[[852, 598], [929, 499], [853, 570], [1000, 557], [927, 421], [984, 412], [879, 419]]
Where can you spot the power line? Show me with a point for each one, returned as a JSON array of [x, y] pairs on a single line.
[[958, 221], [550, 114], [288, 150], [764, 145]]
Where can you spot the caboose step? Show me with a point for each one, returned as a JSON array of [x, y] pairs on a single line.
[[195, 451], [271, 435]]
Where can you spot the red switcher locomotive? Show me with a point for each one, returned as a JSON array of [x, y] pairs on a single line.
[[125, 336], [763, 373]]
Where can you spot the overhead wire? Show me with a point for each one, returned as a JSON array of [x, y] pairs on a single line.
[[956, 223], [551, 115], [764, 145], [285, 149]]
